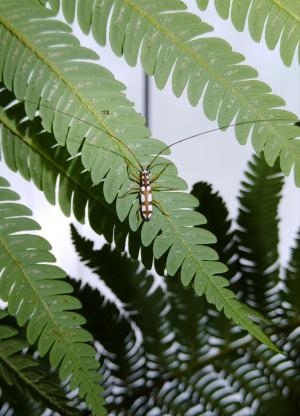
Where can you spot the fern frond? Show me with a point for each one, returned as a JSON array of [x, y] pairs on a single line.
[[292, 279], [12, 401], [125, 371], [258, 236], [195, 321], [133, 288], [173, 42], [117, 339], [262, 378], [219, 223], [37, 294], [31, 151], [152, 380], [240, 377], [280, 21], [27, 375], [61, 72]]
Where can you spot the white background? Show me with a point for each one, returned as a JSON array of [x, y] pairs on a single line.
[[216, 158]]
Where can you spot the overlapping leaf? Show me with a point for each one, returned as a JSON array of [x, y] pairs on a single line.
[[174, 43], [219, 222], [37, 294], [118, 345], [280, 21], [158, 371], [60, 77], [28, 375]]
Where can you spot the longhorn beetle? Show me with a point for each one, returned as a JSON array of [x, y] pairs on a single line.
[[144, 180]]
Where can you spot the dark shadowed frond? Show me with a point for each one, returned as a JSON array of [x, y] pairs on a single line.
[[258, 235], [292, 278], [220, 224], [174, 43], [167, 373]]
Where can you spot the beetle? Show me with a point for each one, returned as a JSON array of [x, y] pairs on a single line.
[[144, 180]]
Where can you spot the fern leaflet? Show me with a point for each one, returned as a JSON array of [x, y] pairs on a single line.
[[279, 20], [27, 374], [36, 293], [235, 377]]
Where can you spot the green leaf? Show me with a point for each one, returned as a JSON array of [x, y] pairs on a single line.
[[175, 43], [280, 21], [36, 294], [28, 375]]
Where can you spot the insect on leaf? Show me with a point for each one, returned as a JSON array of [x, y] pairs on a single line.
[[173, 43]]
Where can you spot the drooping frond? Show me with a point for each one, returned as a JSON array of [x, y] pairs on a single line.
[[37, 294], [27, 375], [279, 21], [174, 42], [292, 277], [194, 318], [258, 236], [240, 377], [57, 77]]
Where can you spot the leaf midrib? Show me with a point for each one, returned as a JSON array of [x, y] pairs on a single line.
[[196, 57], [285, 7], [40, 299]]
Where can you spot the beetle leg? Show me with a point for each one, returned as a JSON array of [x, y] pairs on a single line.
[[163, 188], [132, 176], [130, 191], [158, 205], [154, 178]]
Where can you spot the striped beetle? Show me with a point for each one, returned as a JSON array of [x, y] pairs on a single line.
[[144, 180]]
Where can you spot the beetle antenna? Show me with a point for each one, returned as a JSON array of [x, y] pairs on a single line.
[[216, 129], [119, 142]]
